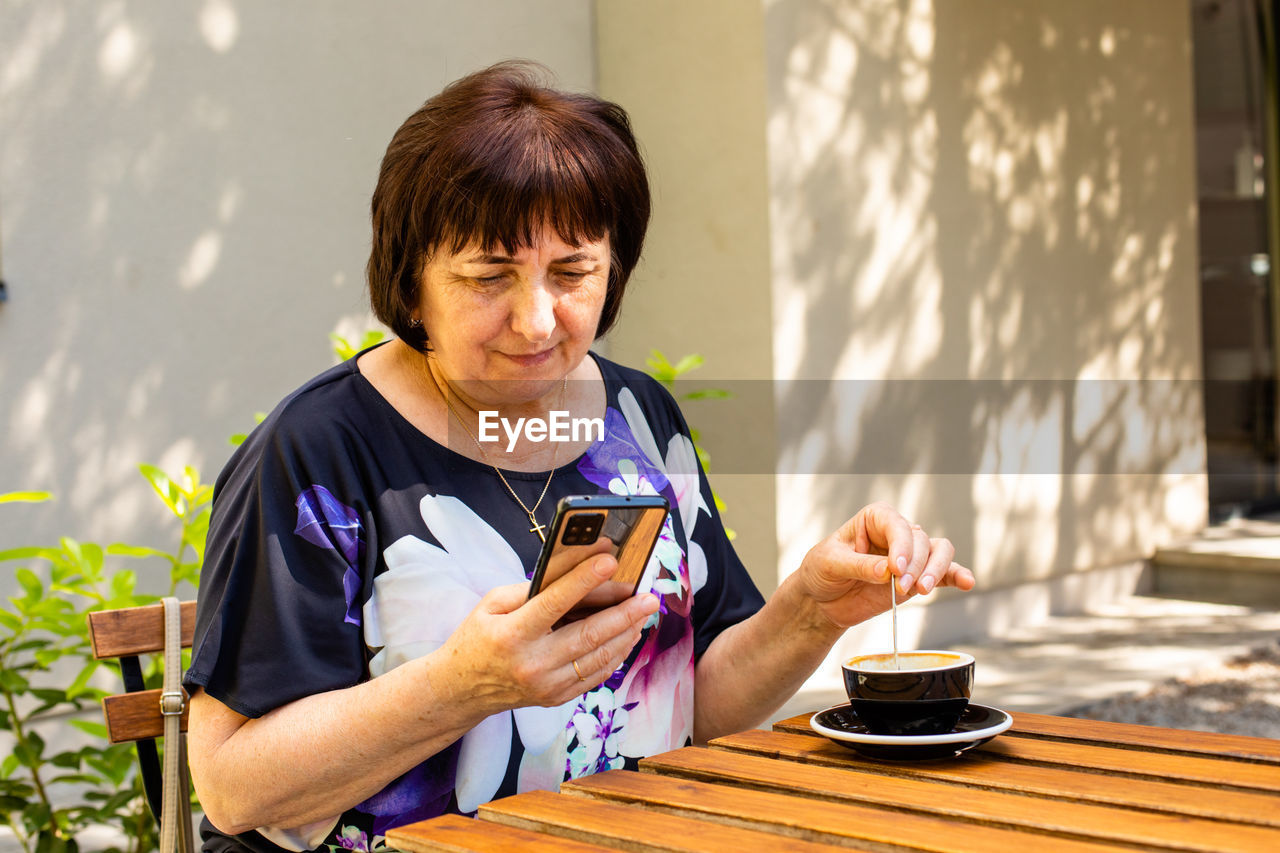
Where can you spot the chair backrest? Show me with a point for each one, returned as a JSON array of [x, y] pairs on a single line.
[[126, 634], [135, 715]]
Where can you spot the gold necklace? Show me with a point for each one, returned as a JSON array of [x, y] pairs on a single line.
[[555, 450]]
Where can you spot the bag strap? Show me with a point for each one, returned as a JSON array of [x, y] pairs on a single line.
[[175, 816]]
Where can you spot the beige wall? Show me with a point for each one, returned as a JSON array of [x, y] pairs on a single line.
[[985, 285], [982, 284], [184, 194], [861, 210], [692, 77]]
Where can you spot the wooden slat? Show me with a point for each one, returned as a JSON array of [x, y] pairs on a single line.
[[980, 770], [1147, 737], [133, 716], [456, 833], [1138, 764], [812, 820], [1117, 735], [136, 630], [1066, 818], [1135, 763], [602, 822]]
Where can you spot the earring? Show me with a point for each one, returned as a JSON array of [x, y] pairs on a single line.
[[415, 323]]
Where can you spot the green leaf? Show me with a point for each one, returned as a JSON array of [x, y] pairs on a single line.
[[98, 730], [342, 348], [47, 657], [30, 583], [47, 841], [29, 749], [657, 362], [690, 362], [708, 394], [91, 557], [9, 765], [9, 621], [165, 487], [18, 788], [28, 553], [123, 583], [82, 680], [25, 497], [119, 549], [12, 681], [49, 697], [345, 349], [119, 800], [75, 779]]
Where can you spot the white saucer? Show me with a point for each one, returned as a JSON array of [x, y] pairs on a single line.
[[978, 724]]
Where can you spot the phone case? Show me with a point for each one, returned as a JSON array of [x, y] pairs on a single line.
[[626, 526]]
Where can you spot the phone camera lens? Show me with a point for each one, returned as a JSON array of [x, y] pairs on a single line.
[[583, 529]]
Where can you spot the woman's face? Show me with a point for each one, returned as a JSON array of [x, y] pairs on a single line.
[[506, 328]]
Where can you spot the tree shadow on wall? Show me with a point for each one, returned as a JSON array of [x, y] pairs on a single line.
[[986, 221]]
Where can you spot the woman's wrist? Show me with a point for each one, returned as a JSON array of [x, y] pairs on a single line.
[[808, 615], [459, 701]]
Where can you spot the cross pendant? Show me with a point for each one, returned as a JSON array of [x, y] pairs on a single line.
[[537, 528]]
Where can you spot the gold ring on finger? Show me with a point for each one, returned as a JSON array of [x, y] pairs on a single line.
[[577, 671]]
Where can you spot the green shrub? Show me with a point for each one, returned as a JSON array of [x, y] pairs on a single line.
[[47, 798]]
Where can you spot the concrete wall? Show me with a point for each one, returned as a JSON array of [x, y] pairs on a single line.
[[982, 271], [184, 194], [692, 77], [985, 283], [943, 252]]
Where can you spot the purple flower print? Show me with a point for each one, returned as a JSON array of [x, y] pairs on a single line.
[[424, 792], [326, 522], [619, 451], [352, 838], [596, 725]]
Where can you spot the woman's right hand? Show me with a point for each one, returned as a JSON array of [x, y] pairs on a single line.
[[509, 652]]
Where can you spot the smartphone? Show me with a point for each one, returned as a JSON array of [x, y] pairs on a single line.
[[586, 525]]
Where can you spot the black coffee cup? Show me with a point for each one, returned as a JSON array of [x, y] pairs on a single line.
[[924, 695]]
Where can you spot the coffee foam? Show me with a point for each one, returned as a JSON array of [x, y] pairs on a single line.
[[906, 661]]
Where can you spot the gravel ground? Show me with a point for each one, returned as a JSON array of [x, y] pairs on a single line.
[[1240, 696]]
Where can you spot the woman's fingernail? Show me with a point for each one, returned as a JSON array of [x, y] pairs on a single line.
[[906, 583], [926, 583], [902, 563]]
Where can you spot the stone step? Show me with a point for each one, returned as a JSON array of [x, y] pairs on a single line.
[[1234, 563]]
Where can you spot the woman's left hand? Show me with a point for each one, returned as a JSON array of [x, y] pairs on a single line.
[[847, 575]]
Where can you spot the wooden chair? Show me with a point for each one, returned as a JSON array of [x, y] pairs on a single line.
[[136, 715]]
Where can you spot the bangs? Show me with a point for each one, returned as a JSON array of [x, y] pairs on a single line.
[[530, 177], [493, 161]]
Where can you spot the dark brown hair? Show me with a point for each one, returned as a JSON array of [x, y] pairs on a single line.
[[494, 158]]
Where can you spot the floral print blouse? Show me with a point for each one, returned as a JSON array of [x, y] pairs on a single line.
[[344, 542]]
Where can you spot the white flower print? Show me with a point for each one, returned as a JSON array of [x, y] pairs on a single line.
[[596, 722], [447, 582]]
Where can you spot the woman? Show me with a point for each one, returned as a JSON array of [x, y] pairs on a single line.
[[365, 654]]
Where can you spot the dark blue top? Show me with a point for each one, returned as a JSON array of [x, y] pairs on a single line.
[[344, 541]]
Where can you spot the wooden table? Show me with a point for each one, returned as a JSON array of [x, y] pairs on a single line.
[[1048, 784]]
